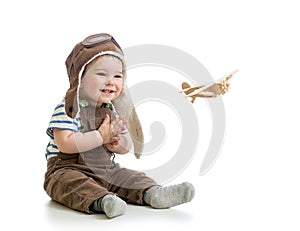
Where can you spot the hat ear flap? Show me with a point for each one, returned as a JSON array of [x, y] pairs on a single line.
[[71, 106], [125, 107]]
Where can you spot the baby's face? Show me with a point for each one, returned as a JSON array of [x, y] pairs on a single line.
[[102, 80]]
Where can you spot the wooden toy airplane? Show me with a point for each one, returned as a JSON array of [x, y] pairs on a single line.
[[213, 89]]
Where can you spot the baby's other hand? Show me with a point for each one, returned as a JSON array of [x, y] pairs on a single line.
[[118, 126]]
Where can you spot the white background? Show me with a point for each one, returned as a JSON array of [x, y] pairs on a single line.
[[254, 183]]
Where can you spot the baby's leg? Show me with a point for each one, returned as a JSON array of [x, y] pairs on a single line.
[[137, 188], [130, 185], [73, 189], [166, 197]]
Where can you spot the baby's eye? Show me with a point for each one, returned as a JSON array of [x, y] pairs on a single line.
[[101, 74], [118, 76]]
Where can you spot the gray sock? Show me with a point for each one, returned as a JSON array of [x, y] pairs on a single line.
[[113, 206], [166, 197]]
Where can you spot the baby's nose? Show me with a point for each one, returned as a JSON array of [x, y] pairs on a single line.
[[109, 82]]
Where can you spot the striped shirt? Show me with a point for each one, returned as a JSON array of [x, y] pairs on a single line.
[[60, 120]]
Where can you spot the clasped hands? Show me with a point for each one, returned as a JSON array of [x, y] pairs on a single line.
[[111, 131]]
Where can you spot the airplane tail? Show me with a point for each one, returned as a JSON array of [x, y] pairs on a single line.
[[185, 85]]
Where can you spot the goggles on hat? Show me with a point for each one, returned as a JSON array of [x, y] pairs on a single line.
[[97, 39]]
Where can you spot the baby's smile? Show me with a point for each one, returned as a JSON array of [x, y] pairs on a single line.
[[107, 91]]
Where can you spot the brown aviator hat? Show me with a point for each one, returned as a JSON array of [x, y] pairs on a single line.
[[84, 53]]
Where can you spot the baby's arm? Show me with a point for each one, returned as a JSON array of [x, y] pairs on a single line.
[[75, 142]]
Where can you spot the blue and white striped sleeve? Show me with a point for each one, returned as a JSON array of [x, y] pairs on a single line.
[[60, 120]]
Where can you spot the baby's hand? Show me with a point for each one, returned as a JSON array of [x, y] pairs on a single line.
[[111, 130], [118, 126], [106, 130]]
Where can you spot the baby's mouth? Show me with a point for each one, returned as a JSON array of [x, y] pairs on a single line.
[[107, 91]]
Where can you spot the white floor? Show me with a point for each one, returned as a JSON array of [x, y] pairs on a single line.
[[136, 218], [46, 214]]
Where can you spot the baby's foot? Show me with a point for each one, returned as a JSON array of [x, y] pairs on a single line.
[[113, 206], [166, 197]]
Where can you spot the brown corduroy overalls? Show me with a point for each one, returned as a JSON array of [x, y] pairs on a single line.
[[76, 180]]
